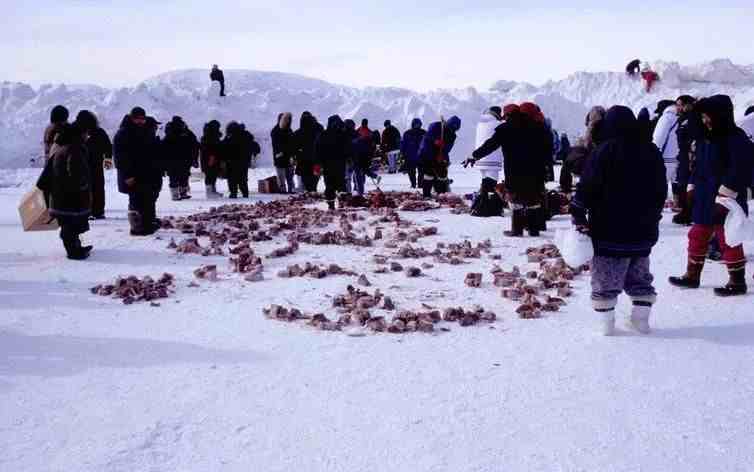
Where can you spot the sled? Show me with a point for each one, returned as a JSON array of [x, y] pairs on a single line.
[[34, 213]]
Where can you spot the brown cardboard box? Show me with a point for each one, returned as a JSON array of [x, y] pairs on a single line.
[[268, 185], [34, 213]]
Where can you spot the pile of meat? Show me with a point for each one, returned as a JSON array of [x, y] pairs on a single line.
[[132, 289]]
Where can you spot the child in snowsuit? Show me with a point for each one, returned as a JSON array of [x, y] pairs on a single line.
[[623, 223]]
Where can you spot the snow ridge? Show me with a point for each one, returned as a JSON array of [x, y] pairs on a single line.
[[257, 97]]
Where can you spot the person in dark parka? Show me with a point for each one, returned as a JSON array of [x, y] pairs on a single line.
[[66, 183], [180, 151], [410, 144], [332, 150], [135, 149], [352, 134], [283, 152], [305, 139], [623, 223], [216, 75], [633, 68], [521, 141], [391, 145], [209, 156], [236, 155], [722, 169], [434, 153], [100, 153], [690, 128], [58, 117]]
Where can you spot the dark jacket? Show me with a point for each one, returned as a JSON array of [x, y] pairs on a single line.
[[565, 148], [333, 148], [217, 75], [689, 130], [723, 164], [235, 150], [411, 142], [305, 139], [391, 139], [179, 148], [210, 150], [98, 146], [527, 149], [434, 151], [622, 190], [283, 146], [136, 155], [65, 178]]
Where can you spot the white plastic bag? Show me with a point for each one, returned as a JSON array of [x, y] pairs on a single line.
[[738, 228], [576, 248]]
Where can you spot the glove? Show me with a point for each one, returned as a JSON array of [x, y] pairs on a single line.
[[468, 162], [583, 229], [107, 164]]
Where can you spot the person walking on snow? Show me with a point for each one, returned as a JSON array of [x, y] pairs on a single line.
[[100, 152], [391, 145], [180, 149], [210, 153], [410, 143], [283, 148], [623, 223], [332, 150], [434, 153], [665, 137], [58, 117], [65, 181], [722, 170], [216, 75]]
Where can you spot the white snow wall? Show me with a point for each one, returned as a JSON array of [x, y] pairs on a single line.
[[256, 98]]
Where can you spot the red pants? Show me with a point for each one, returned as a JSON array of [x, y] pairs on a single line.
[[699, 239]]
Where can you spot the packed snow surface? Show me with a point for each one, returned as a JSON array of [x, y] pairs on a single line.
[[257, 98], [206, 383]]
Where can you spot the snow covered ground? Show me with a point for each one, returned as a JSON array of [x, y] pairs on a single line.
[[206, 383]]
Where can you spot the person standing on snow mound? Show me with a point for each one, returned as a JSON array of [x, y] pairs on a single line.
[[100, 152], [332, 150], [65, 181], [410, 143], [722, 169], [633, 68], [434, 153], [216, 75], [391, 145], [649, 76], [623, 223]]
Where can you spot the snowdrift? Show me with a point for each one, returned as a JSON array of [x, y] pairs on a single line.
[[256, 98]]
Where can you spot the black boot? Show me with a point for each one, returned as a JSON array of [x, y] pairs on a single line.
[[534, 221], [735, 286], [541, 218], [427, 188], [331, 205], [136, 221], [74, 250], [692, 277], [518, 221]]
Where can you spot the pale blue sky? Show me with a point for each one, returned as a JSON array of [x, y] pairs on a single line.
[[419, 45]]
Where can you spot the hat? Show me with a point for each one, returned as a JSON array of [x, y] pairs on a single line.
[[510, 108], [138, 112]]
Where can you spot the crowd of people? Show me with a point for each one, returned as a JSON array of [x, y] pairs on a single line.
[[692, 145]]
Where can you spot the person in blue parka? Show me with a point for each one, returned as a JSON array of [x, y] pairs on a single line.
[[434, 154]]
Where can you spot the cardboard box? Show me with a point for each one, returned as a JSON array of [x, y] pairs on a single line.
[[268, 185], [34, 213]]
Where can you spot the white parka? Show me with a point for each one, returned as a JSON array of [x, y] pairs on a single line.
[[484, 131], [665, 137]]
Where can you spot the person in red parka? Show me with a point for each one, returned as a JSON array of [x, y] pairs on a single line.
[[649, 76]]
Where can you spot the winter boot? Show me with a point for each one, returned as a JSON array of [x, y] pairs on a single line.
[[427, 188], [185, 192], [639, 320], [735, 286], [73, 249], [211, 192], [534, 221], [331, 205], [137, 224], [518, 221], [175, 193], [691, 278], [607, 319]]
